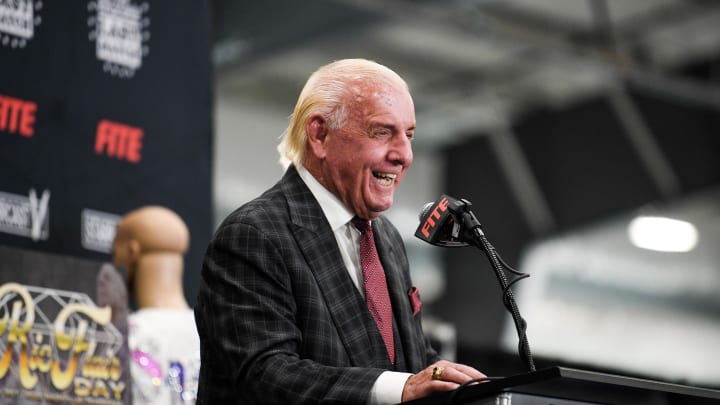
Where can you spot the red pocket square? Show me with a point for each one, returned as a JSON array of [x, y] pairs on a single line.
[[414, 295]]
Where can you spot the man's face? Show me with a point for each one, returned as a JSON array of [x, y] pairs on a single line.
[[367, 158]]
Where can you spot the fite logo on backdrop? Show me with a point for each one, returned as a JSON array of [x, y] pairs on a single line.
[[119, 141], [17, 116]]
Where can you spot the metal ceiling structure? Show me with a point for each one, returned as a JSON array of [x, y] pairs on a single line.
[[476, 66], [472, 65]]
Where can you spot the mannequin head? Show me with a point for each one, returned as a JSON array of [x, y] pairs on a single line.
[[150, 243]]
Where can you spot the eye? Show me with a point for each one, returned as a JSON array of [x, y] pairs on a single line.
[[410, 135], [381, 132]]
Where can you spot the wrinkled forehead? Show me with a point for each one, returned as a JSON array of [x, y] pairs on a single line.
[[376, 91]]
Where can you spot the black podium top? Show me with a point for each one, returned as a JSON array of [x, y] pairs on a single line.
[[579, 385]]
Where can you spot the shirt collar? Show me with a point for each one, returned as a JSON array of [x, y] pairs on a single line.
[[335, 211]]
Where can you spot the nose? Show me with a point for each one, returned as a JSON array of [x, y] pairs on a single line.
[[400, 152]]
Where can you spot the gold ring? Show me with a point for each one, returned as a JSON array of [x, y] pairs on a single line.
[[437, 373]]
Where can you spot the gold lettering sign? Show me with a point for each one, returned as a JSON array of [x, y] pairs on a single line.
[[67, 355]]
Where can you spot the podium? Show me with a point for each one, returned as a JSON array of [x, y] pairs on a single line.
[[566, 386]]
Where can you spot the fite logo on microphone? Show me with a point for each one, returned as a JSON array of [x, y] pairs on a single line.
[[431, 220]]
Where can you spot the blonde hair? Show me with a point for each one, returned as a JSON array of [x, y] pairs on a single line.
[[327, 92]]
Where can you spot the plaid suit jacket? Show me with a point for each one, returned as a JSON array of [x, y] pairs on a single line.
[[280, 320]]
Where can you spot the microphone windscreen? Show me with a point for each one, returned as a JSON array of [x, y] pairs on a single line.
[[425, 211]]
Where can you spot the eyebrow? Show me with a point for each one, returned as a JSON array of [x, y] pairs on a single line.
[[391, 126]]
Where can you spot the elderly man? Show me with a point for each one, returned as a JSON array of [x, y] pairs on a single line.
[[306, 294]]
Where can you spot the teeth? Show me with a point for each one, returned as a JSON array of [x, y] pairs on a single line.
[[385, 179]]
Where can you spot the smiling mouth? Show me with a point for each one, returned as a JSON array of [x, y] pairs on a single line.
[[385, 179]]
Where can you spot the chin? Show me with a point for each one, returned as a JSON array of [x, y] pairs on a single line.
[[377, 203], [380, 208]]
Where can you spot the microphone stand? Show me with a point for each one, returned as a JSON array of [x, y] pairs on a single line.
[[475, 235]]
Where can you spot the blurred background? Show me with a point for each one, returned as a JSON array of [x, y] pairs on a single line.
[[586, 134], [562, 121]]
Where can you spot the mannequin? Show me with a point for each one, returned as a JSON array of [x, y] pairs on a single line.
[[149, 244]]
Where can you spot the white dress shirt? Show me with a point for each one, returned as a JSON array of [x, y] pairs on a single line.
[[388, 387]]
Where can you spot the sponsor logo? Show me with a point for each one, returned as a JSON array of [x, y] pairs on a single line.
[[25, 216], [17, 116], [120, 31], [18, 19], [97, 230], [58, 347], [119, 141]]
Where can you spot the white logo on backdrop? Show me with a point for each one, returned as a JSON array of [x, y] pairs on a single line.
[[25, 216], [18, 19], [121, 31], [97, 230]]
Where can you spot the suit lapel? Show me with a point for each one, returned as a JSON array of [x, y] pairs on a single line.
[[319, 247]]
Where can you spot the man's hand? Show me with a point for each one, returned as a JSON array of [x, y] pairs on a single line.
[[447, 377]]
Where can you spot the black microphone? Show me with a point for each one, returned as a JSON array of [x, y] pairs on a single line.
[[444, 223], [425, 210], [449, 222]]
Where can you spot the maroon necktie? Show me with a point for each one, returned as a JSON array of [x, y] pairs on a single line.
[[376, 291]]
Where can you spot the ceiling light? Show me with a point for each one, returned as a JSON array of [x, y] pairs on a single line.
[[662, 234]]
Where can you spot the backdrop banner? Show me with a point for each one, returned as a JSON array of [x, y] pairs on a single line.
[[105, 106]]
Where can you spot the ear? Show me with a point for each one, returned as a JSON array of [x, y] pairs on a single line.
[[317, 132]]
